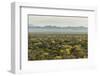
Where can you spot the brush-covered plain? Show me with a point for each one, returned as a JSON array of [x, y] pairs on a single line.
[[51, 46]]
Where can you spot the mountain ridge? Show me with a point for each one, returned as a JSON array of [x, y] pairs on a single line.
[[67, 27]]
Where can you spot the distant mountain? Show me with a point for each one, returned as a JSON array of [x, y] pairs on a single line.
[[48, 26], [57, 29]]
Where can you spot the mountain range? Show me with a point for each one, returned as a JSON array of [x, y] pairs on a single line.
[[49, 28]]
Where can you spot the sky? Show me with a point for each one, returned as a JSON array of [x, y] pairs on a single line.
[[35, 20]]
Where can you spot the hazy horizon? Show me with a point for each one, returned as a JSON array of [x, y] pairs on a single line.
[[30, 25]]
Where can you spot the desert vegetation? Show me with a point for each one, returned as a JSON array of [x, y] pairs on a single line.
[[44, 46]]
